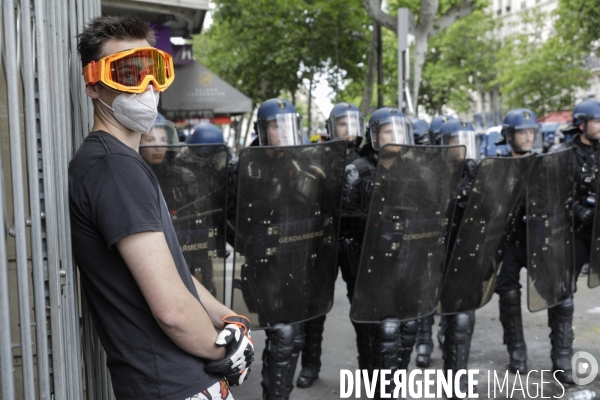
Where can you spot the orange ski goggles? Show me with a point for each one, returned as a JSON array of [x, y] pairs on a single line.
[[131, 71]]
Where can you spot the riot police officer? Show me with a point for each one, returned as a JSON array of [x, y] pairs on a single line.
[[178, 184], [209, 164], [458, 328], [424, 343], [388, 344], [586, 126], [434, 127], [522, 133], [286, 187], [347, 123], [420, 131]]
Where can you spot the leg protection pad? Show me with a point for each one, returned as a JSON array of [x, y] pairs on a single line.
[[386, 344], [311, 352], [283, 345], [457, 343], [364, 343], [560, 320], [512, 323], [408, 337]]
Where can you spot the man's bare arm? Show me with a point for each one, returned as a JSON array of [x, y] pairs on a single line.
[[216, 310], [176, 310]]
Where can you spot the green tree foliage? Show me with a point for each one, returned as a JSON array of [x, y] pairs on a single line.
[[578, 24], [539, 75], [460, 60], [267, 47]]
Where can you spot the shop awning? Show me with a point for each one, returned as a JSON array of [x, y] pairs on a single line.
[[197, 90]]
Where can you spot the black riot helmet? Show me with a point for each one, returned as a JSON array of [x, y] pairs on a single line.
[[389, 126], [278, 124], [583, 113], [460, 132], [521, 131], [346, 122]]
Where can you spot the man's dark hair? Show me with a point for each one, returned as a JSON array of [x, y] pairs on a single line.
[[101, 29]]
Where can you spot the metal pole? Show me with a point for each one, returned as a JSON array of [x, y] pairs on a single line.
[[39, 287], [51, 148], [6, 355], [402, 47], [379, 67], [12, 78]]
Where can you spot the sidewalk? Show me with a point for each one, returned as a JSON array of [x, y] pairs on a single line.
[[487, 351]]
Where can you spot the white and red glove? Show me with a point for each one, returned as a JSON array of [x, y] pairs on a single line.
[[235, 366]]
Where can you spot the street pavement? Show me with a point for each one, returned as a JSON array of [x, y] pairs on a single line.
[[487, 351]]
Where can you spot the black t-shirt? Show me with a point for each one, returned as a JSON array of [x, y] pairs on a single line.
[[114, 194]]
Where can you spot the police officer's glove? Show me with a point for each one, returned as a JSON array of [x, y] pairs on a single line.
[[235, 366], [471, 169], [584, 215]]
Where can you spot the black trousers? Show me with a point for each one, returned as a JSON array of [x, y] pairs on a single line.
[[516, 258]]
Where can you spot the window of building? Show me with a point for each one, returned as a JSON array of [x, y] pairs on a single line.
[[523, 5]]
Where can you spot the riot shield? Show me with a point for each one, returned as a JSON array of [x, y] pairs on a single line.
[[193, 180], [286, 231], [405, 240], [550, 255], [483, 234], [594, 274]]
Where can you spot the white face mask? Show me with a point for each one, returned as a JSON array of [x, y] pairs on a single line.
[[136, 111]]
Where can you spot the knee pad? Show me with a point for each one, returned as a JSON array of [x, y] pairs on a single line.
[[386, 344], [511, 297], [563, 312], [408, 335], [389, 329], [460, 327], [285, 340]]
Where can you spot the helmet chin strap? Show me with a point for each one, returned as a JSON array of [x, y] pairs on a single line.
[[585, 133], [520, 152]]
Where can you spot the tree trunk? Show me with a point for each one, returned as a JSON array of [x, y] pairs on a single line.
[[370, 73], [429, 9]]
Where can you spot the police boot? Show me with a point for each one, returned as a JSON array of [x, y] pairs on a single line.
[[386, 348], [510, 316], [457, 345], [424, 341], [283, 346], [311, 352], [364, 340], [560, 320]]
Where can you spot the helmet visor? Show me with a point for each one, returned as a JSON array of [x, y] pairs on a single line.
[[280, 130], [469, 139], [526, 139], [393, 130], [347, 126]]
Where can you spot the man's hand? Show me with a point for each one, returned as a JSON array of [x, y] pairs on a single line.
[[235, 337]]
